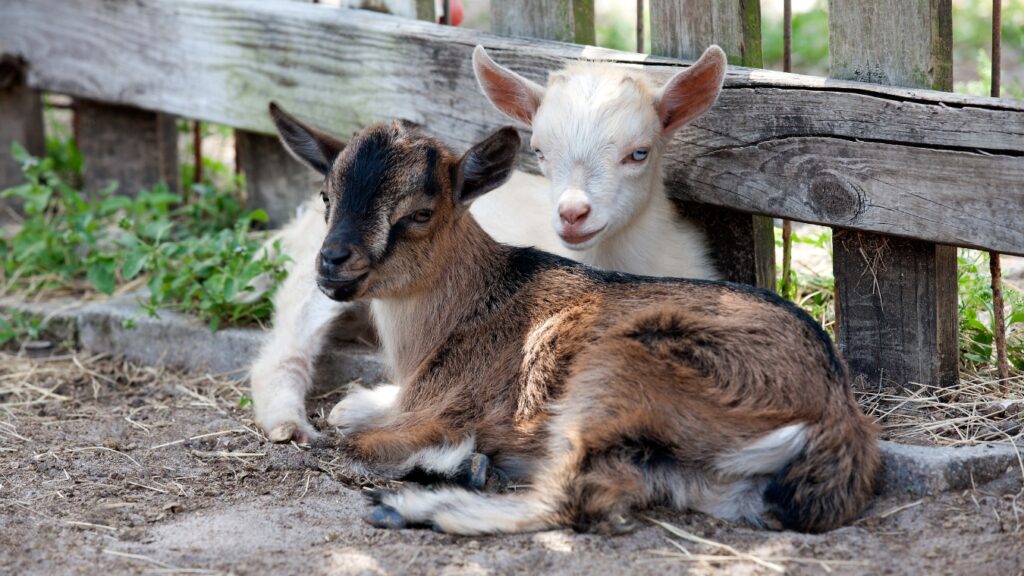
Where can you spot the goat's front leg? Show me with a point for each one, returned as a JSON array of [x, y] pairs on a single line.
[[283, 372]]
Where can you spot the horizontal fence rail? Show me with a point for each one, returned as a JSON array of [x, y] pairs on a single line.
[[916, 163]]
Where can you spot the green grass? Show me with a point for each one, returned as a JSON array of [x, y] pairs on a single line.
[[195, 257]]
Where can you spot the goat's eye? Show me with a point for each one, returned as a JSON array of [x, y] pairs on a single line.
[[323, 196], [639, 155], [538, 153], [421, 216]]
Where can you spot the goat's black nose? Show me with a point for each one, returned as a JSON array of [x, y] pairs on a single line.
[[335, 255]]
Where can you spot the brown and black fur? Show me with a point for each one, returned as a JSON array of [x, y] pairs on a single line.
[[605, 392]]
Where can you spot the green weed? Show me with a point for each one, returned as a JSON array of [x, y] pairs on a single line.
[[194, 257]]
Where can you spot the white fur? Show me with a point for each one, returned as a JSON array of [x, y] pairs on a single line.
[[766, 455], [443, 459], [459, 511], [363, 407]]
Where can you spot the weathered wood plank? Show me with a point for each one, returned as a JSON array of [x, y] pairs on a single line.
[[919, 52], [561, 20], [21, 121], [136, 148], [896, 299], [742, 245], [222, 60], [684, 28]]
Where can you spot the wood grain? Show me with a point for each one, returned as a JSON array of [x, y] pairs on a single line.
[[742, 245], [222, 60], [896, 299], [562, 20]]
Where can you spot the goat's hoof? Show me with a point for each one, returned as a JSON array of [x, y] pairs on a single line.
[[614, 525], [382, 516], [288, 432], [476, 472], [375, 496]]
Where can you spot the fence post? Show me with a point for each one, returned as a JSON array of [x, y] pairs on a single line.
[[896, 299], [743, 246], [21, 121], [137, 148], [561, 20]]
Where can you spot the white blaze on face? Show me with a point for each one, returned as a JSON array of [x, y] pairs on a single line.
[[592, 119]]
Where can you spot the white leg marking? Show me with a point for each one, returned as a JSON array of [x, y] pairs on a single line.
[[766, 455], [363, 407]]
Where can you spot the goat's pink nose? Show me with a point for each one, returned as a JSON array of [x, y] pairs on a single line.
[[572, 214]]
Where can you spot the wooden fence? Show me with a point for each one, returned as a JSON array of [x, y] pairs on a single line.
[[903, 173]]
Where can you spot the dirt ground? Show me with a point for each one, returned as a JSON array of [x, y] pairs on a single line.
[[111, 468]]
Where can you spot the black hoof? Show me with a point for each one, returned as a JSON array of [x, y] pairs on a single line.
[[376, 495], [384, 517]]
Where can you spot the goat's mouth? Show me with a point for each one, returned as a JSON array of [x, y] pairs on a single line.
[[341, 290], [579, 240]]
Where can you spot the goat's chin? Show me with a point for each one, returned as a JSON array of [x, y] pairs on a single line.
[[581, 240], [342, 291]]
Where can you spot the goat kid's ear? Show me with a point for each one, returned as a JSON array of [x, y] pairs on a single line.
[[514, 95], [690, 93], [314, 148], [486, 165]]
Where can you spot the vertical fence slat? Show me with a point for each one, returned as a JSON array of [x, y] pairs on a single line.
[[21, 120], [743, 246], [137, 148], [562, 20], [896, 299]]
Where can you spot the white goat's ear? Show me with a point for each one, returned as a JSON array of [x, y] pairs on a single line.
[[690, 93], [514, 95], [486, 165], [314, 148]]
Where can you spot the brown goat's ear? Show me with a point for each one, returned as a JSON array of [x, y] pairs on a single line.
[[314, 148], [690, 93], [514, 95], [486, 165]]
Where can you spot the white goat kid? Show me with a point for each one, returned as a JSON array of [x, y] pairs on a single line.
[[599, 132]]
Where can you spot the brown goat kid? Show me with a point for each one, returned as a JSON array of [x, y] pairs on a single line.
[[604, 392]]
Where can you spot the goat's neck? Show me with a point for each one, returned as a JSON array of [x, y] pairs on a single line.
[[411, 327]]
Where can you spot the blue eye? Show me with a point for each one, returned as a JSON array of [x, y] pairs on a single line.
[[538, 154], [639, 155]]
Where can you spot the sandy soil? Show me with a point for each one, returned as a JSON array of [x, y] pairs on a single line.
[[111, 468]]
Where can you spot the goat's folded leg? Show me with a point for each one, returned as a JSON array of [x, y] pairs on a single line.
[[415, 445]]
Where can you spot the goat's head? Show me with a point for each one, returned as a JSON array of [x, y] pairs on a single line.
[[393, 196], [599, 132]]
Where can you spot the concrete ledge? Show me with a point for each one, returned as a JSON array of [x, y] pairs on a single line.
[[185, 342], [921, 470], [180, 341]]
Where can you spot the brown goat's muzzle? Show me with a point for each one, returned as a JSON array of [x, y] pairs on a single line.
[[342, 271]]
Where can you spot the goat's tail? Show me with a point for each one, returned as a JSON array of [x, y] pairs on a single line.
[[460, 511], [831, 481]]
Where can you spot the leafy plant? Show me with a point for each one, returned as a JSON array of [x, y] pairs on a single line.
[[814, 293], [195, 257], [16, 326], [977, 321]]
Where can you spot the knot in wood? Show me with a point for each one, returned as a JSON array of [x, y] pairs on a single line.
[[832, 198]]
